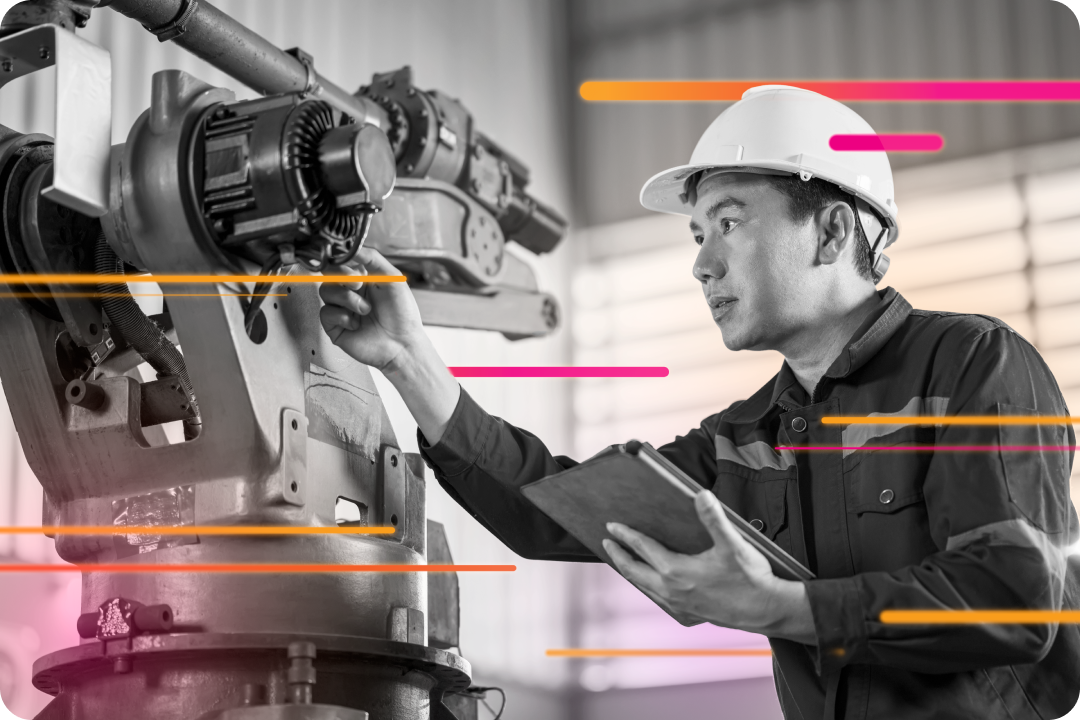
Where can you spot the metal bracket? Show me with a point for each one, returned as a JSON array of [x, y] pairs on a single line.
[[83, 110], [392, 490], [293, 469]]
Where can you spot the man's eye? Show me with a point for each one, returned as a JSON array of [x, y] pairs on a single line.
[[727, 225]]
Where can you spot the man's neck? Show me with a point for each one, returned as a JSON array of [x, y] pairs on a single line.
[[815, 349]]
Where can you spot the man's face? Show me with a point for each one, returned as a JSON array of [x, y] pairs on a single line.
[[754, 263]]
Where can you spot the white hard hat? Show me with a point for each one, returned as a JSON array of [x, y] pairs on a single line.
[[777, 129]]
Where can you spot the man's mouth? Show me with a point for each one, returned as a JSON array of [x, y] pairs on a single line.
[[718, 302]]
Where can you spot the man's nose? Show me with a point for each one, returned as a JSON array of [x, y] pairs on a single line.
[[709, 264]]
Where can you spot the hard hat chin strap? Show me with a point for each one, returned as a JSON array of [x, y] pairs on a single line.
[[879, 262]]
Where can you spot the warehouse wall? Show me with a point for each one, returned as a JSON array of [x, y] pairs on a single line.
[[503, 59], [618, 145]]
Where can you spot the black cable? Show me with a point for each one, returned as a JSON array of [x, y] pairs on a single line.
[[259, 292], [358, 241]]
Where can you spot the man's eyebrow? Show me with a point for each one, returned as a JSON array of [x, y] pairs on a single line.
[[712, 212], [728, 202]]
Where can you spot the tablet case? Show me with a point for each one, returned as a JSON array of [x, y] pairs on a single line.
[[635, 485]]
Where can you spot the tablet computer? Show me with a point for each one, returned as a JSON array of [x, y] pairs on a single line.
[[635, 485]]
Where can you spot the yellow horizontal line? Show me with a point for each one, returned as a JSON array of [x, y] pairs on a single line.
[[650, 652], [952, 420], [975, 617], [194, 530], [85, 279]]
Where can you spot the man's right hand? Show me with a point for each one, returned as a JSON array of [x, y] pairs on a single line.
[[379, 325], [375, 323]]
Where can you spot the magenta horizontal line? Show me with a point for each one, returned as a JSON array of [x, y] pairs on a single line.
[[944, 448], [559, 371], [888, 142]]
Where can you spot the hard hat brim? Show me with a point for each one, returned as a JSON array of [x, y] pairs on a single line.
[[665, 191]]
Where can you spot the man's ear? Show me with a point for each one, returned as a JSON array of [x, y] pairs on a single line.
[[836, 231]]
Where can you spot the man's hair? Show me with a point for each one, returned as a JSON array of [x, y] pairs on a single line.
[[806, 197]]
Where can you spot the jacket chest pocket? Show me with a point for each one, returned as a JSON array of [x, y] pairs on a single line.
[[757, 496], [888, 520]]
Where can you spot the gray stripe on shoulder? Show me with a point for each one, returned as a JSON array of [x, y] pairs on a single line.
[[756, 455], [855, 436]]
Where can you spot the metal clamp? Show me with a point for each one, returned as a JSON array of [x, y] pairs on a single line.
[[83, 111], [178, 25], [311, 86]]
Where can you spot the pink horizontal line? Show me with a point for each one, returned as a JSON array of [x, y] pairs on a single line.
[[946, 448], [890, 142], [842, 90], [559, 371]]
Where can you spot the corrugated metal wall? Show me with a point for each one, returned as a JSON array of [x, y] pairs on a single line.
[[619, 145], [503, 58]]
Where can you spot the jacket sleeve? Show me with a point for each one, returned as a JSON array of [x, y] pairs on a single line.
[[483, 461], [1000, 518]]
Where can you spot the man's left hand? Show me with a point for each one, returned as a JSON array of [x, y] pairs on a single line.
[[731, 584]]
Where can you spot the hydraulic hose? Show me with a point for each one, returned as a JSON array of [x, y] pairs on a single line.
[[140, 332]]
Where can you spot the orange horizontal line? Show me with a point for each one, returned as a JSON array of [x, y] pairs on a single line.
[[249, 568], [975, 617], [650, 652], [951, 420], [194, 530], [87, 279]]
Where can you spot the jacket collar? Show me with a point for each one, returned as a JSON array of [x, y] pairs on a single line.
[[891, 312]]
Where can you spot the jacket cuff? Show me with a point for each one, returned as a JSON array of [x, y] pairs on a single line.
[[838, 619], [463, 440]]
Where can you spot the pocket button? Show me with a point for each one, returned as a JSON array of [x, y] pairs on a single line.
[[886, 496], [798, 424], [757, 525]]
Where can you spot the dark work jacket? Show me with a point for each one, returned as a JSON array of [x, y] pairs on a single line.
[[882, 527]]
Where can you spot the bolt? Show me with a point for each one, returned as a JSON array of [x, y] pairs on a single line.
[[301, 675], [44, 53], [7, 66], [122, 665], [253, 694], [409, 168]]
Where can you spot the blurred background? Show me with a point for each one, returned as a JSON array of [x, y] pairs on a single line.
[[991, 224]]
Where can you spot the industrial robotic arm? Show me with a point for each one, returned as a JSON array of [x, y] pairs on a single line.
[[280, 426]]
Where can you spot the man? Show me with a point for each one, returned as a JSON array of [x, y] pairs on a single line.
[[791, 236]]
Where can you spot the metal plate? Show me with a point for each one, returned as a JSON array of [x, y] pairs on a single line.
[[83, 110]]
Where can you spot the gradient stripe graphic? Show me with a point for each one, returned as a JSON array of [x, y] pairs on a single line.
[[978, 617], [559, 371], [951, 420], [842, 90], [194, 530], [599, 652], [888, 142], [86, 279], [248, 568]]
